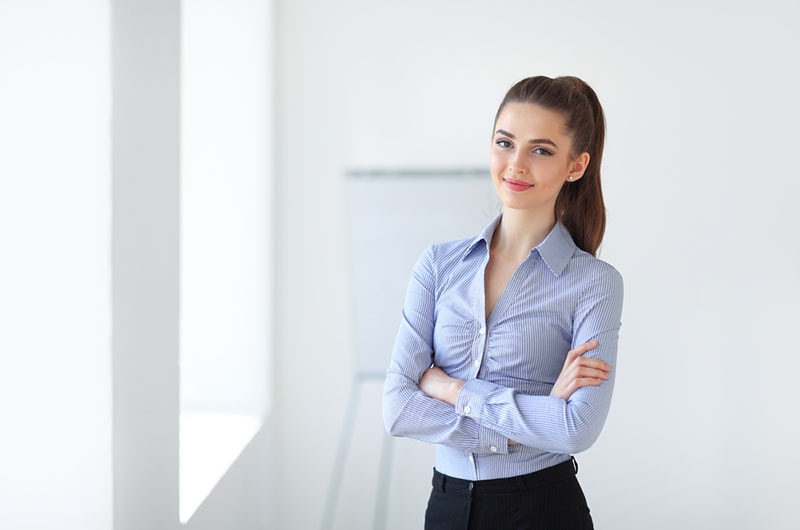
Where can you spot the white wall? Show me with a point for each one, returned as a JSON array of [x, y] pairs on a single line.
[[700, 183], [55, 274]]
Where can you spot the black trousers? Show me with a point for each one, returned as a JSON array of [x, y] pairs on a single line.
[[550, 499]]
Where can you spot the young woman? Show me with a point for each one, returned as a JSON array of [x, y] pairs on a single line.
[[504, 358]]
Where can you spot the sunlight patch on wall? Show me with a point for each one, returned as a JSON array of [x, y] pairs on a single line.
[[225, 265]]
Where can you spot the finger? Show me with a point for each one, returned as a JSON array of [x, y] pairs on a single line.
[[583, 348], [590, 362], [583, 382], [572, 355], [595, 375], [588, 345], [583, 358], [577, 381], [590, 372]]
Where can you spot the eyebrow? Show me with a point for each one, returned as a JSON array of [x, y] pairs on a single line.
[[533, 141]]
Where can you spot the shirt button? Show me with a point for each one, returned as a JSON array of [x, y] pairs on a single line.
[[493, 449], [467, 409], [472, 459], [482, 331], [476, 362]]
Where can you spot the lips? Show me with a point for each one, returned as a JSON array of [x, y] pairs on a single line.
[[517, 185]]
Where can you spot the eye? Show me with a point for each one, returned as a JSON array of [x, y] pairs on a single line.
[[502, 142], [542, 151]]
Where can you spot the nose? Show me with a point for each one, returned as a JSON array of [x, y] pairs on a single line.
[[515, 164]]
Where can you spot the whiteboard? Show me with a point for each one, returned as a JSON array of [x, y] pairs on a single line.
[[393, 217]]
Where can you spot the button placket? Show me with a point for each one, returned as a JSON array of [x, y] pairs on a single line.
[[480, 347]]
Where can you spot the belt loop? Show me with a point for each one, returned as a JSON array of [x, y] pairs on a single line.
[[438, 480], [574, 464]]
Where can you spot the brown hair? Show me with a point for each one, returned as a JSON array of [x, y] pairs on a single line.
[[579, 205]]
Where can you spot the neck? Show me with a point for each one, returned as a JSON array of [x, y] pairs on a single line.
[[521, 230]]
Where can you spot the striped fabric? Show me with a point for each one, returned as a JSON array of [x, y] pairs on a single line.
[[558, 298]]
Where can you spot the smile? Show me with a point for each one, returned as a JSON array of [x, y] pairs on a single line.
[[517, 185]]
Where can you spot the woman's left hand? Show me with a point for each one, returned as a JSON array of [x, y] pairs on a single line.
[[437, 384], [580, 371]]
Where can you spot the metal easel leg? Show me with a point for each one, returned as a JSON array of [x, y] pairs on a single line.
[[384, 481], [334, 489]]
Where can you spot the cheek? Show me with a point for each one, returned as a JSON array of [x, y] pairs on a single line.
[[496, 162]]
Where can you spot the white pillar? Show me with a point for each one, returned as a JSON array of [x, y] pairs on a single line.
[[146, 73]]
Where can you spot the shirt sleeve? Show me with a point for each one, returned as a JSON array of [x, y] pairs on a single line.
[[407, 410], [551, 423]]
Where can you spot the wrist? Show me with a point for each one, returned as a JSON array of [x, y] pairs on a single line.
[[453, 389]]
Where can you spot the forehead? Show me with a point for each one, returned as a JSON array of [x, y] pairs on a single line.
[[527, 119]]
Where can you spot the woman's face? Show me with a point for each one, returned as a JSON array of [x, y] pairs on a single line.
[[531, 157]]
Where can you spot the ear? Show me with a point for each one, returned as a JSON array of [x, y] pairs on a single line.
[[578, 166]]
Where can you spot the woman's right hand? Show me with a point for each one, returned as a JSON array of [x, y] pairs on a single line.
[[580, 371]]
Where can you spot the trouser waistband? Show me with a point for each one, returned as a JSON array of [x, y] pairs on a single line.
[[537, 479]]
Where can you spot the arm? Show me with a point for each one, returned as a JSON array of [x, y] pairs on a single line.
[[550, 422], [578, 372], [407, 410]]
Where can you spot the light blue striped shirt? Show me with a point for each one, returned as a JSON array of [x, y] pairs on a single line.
[[558, 298]]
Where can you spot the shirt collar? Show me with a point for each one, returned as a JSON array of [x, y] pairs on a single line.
[[485, 236], [556, 249]]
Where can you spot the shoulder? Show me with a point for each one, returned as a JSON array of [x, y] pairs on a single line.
[[446, 254], [453, 249], [442, 260], [592, 271]]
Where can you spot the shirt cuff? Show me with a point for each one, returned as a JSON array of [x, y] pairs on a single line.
[[469, 403]]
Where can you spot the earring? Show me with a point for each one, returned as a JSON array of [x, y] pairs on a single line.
[[569, 177]]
